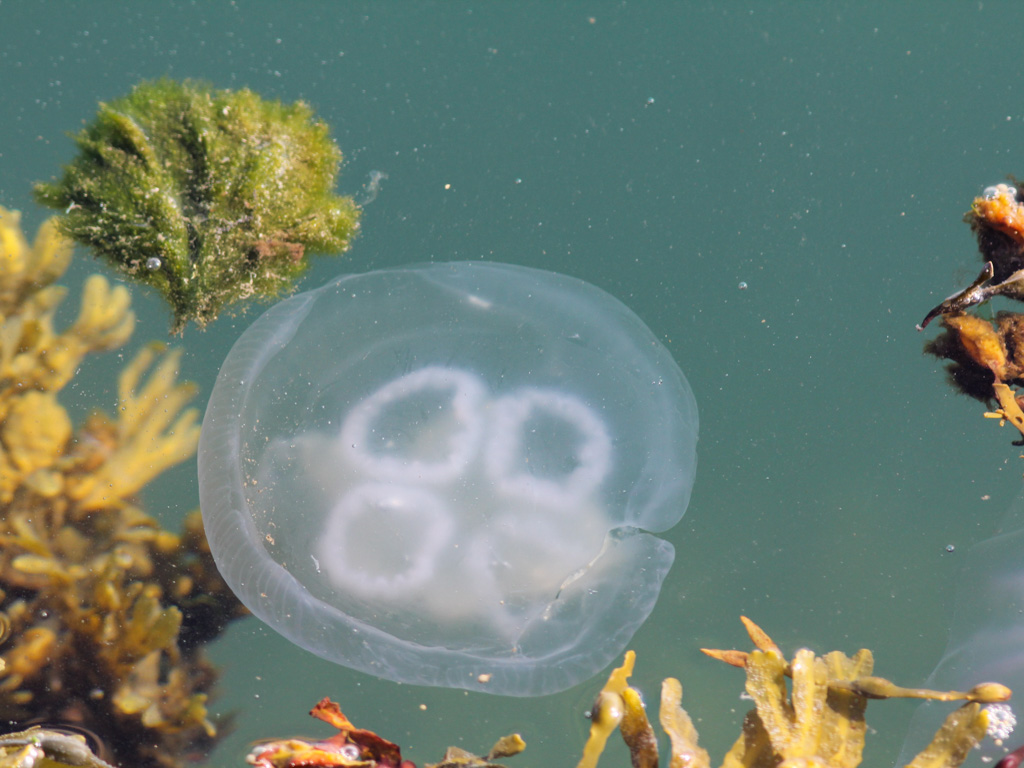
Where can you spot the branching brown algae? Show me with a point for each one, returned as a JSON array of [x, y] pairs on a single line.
[[209, 196], [987, 356], [106, 611]]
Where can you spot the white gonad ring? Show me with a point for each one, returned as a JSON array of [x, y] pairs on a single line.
[[459, 439], [506, 457], [365, 521]]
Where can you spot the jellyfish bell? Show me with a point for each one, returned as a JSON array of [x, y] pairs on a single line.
[[450, 474]]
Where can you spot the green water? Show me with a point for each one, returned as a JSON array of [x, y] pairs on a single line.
[[822, 154]]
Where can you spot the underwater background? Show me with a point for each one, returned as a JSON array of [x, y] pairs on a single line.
[[776, 190]]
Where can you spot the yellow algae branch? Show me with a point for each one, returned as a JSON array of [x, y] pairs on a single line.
[[153, 431], [607, 712], [686, 753]]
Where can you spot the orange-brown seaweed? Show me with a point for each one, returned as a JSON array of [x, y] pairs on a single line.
[[987, 356], [355, 747]]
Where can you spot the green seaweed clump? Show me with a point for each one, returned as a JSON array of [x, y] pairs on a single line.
[[820, 722], [209, 196]]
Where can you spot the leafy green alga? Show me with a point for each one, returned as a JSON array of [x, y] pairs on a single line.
[[210, 196]]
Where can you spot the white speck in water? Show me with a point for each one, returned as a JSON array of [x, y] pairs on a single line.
[[742, 286]]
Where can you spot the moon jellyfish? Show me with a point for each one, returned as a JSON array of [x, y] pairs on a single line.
[[450, 474], [986, 637]]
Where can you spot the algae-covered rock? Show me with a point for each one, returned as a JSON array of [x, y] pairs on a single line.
[[210, 196]]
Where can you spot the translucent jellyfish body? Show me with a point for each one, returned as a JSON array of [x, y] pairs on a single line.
[[449, 474]]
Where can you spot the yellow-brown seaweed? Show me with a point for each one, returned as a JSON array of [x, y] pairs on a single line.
[[106, 609], [816, 721], [456, 757], [607, 712], [686, 753]]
